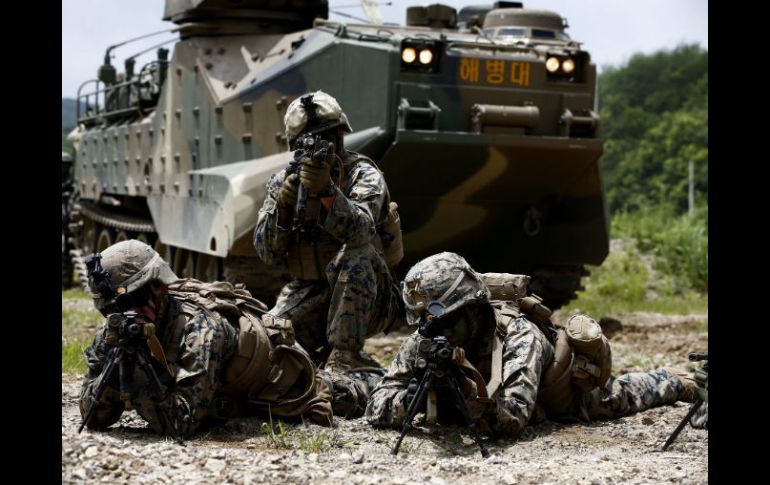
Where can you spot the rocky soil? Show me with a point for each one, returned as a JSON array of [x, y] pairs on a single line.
[[249, 451]]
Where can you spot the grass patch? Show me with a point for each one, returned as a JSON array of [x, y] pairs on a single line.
[[75, 294], [80, 324], [72, 359], [276, 432], [78, 328], [284, 436], [655, 267]]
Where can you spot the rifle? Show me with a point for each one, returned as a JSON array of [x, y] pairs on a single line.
[[131, 349], [313, 147], [701, 379], [127, 333], [439, 373]]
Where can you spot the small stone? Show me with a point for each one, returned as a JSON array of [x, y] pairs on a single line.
[[338, 474], [313, 457], [357, 457], [215, 465], [647, 420], [79, 473], [345, 456], [91, 452]]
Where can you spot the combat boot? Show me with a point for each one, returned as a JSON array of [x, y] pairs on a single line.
[[342, 360]]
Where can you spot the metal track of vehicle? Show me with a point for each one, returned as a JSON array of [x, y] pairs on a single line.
[[123, 223]]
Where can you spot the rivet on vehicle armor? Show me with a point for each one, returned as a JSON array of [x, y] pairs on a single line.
[[218, 110], [209, 65], [176, 186], [178, 113], [177, 157], [162, 130], [207, 51], [221, 50], [196, 111], [178, 71], [218, 139], [163, 159], [247, 107], [151, 131], [246, 138]]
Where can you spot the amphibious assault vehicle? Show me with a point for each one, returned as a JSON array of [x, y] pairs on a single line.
[[483, 121]]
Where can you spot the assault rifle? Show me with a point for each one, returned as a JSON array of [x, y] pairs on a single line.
[[316, 148], [440, 373], [701, 380], [127, 335]]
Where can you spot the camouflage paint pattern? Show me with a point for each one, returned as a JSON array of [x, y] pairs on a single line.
[[526, 353], [356, 299], [534, 186]]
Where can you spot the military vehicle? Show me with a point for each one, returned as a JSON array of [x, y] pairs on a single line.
[[483, 122]]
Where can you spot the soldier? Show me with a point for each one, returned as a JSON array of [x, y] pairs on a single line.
[[342, 289], [541, 371], [213, 353], [67, 189]]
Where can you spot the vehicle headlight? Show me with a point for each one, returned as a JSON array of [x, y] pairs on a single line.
[[552, 64], [426, 51], [568, 65]]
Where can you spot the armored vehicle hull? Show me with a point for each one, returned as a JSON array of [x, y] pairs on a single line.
[[487, 153]]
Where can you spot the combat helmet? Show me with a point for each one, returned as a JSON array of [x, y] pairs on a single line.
[[124, 268], [441, 284], [313, 113]]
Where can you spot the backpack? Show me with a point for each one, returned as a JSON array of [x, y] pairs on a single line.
[[268, 370]]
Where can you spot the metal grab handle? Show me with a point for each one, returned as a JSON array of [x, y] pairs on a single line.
[[482, 115]]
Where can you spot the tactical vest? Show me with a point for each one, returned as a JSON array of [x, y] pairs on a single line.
[[582, 358], [268, 372], [308, 257]]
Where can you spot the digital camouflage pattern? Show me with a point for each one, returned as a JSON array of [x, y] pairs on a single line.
[[446, 278], [197, 345], [526, 354], [356, 298]]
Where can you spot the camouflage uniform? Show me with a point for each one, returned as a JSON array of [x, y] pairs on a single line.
[[198, 345], [526, 354], [354, 299]]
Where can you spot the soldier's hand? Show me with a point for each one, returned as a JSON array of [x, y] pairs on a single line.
[[480, 407], [315, 175], [287, 195]]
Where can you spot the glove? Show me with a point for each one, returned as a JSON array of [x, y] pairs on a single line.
[[314, 172], [480, 407], [287, 194]]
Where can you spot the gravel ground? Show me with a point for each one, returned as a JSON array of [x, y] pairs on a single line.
[[244, 450]]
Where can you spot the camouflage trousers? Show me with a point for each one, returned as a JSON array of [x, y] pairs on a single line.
[[356, 300], [350, 390], [631, 393]]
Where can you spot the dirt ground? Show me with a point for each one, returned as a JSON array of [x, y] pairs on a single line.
[[245, 451]]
